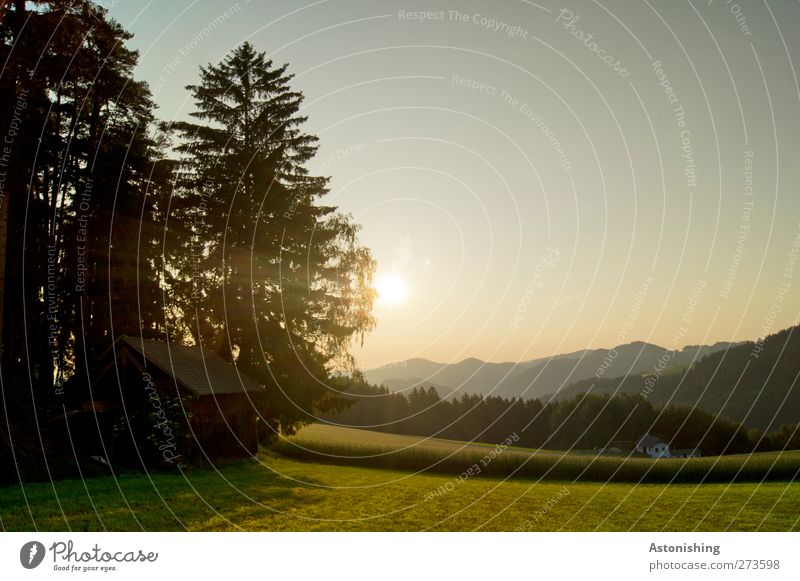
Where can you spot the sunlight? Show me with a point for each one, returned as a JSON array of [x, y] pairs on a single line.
[[392, 289]]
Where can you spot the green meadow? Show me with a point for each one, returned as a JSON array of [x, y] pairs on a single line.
[[277, 493]]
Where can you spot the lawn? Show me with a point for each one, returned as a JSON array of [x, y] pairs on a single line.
[[283, 494]]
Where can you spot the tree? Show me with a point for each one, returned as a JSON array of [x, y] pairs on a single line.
[[272, 280], [83, 155], [786, 438], [80, 264]]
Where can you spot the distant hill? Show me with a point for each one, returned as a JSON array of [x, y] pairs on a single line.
[[404, 370], [633, 359], [535, 378], [753, 383], [470, 375]]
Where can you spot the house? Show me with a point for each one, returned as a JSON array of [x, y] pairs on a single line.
[[154, 402], [653, 446]]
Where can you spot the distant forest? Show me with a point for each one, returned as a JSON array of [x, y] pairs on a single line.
[[739, 400]]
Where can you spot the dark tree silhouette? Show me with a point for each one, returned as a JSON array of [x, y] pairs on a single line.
[[78, 264], [275, 281]]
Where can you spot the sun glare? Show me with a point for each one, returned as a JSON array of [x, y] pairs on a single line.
[[392, 289]]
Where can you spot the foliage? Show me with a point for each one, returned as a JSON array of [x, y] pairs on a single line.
[[280, 284], [80, 253]]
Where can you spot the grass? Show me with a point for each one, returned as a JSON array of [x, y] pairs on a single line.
[[280, 494], [277, 493], [350, 447]]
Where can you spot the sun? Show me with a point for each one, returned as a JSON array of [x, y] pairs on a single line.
[[392, 289]]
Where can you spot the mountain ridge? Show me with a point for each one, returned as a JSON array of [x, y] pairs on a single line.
[[535, 377]]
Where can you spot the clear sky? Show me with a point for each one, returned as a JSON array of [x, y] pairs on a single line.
[[536, 178]]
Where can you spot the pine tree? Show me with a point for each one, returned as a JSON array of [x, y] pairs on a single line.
[[277, 282]]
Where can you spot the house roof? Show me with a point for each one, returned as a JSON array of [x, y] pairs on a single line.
[[199, 370], [649, 441]]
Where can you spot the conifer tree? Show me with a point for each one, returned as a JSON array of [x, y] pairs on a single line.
[[277, 281]]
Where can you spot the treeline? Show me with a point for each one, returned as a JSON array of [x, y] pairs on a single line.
[[583, 422], [112, 222]]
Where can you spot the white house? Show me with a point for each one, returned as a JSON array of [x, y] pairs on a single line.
[[652, 446]]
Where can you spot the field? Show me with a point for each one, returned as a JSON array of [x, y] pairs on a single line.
[[278, 493], [350, 447], [317, 436]]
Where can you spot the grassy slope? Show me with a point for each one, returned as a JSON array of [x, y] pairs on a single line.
[[278, 493], [286, 494]]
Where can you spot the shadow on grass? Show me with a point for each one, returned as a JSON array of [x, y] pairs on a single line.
[[192, 499]]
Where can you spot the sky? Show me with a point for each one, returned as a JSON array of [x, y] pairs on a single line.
[[535, 178]]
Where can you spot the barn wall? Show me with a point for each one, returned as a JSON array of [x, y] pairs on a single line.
[[224, 426]]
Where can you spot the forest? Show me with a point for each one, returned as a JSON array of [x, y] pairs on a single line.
[[114, 222]]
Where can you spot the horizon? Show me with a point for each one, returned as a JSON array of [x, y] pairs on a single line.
[[682, 348]]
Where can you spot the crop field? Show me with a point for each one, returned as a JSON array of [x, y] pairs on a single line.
[[316, 436], [351, 447]]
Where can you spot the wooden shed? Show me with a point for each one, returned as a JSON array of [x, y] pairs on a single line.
[[152, 401]]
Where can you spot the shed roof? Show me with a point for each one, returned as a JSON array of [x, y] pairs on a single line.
[[200, 371]]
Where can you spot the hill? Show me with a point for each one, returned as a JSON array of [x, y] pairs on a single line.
[[634, 359], [470, 375], [537, 377], [754, 383]]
